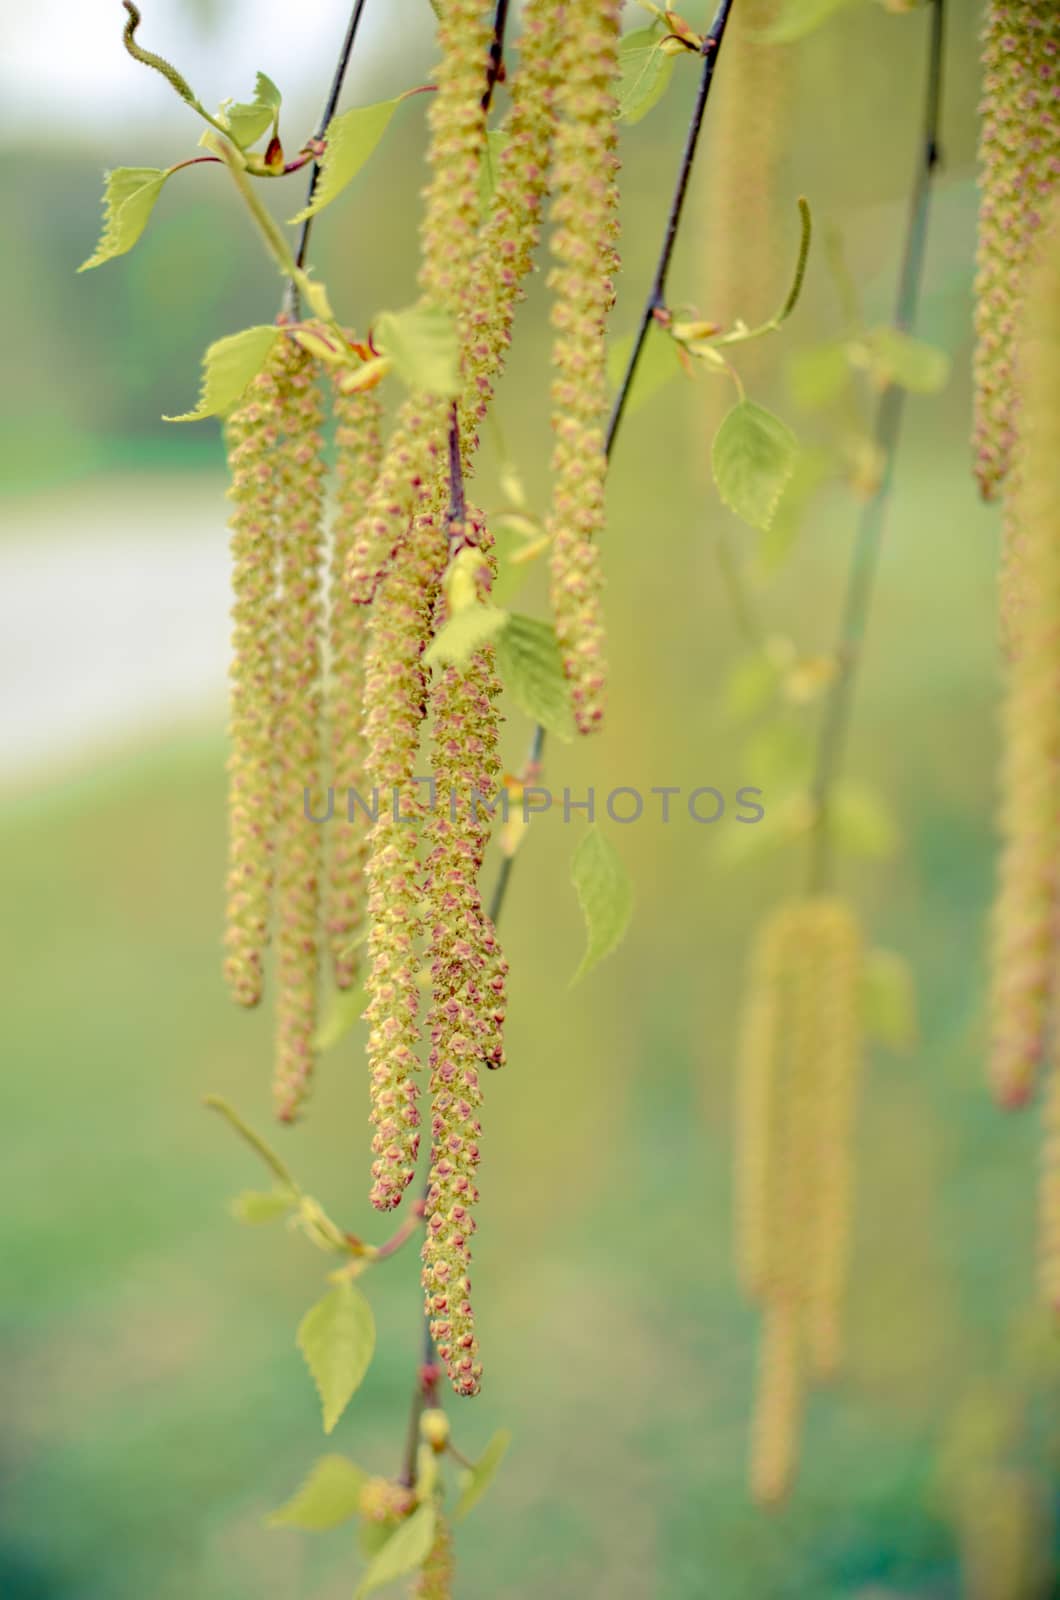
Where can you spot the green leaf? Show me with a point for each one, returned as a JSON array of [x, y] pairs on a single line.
[[476, 1480], [404, 1552], [818, 377], [372, 1536], [350, 140], [797, 18], [422, 345], [337, 1339], [228, 369], [496, 139], [862, 822], [659, 362], [750, 687], [605, 895], [531, 669], [331, 1494], [129, 197], [464, 632], [255, 1206], [644, 71], [246, 122], [888, 999], [898, 358], [343, 1013], [754, 455]]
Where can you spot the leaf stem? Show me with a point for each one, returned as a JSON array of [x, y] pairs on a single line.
[[276, 1166], [835, 720]]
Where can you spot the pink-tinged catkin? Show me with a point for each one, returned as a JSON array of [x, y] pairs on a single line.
[[778, 1405], [409, 469], [1019, 156], [434, 1581], [1025, 911], [467, 980], [394, 705], [513, 225], [299, 732], [583, 244], [357, 463], [252, 435]]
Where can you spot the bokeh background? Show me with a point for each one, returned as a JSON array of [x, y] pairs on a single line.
[[155, 1405]]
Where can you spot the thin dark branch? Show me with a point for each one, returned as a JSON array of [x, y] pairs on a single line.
[[457, 515], [836, 719], [338, 79], [495, 70]]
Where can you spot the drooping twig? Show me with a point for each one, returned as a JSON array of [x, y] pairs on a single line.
[[836, 718]]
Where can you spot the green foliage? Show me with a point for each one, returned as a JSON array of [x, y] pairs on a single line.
[[255, 1206], [531, 669], [645, 72], [754, 455], [351, 139], [404, 1552], [246, 121], [129, 197], [330, 1495], [462, 634], [605, 895], [228, 368], [861, 821], [343, 1013], [751, 685], [337, 1339], [475, 1480], [888, 999], [913, 364], [422, 345], [796, 18], [659, 361], [818, 376]]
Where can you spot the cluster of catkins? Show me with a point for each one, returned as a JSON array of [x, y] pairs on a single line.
[[337, 691], [799, 1071], [1017, 448]]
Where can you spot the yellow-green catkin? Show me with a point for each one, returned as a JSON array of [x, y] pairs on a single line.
[[252, 435], [467, 979], [758, 1095], [409, 475], [434, 1581], [779, 1394], [1025, 912], [1019, 155], [583, 244], [357, 462], [299, 732], [512, 229], [394, 707], [1005, 1536]]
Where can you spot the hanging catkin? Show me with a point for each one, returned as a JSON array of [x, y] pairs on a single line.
[[435, 1578], [299, 734], [584, 211], [252, 436], [1019, 154], [467, 978], [1025, 913], [357, 462]]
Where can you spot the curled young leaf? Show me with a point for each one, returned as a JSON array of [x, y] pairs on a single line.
[[464, 632]]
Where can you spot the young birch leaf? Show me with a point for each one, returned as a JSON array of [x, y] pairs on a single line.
[[754, 455], [350, 140], [255, 1206], [605, 895], [331, 1494], [531, 669], [796, 18], [246, 122], [644, 73], [658, 363], [888, 1000], [337, 1339], [228, 367], [343, 1013], [463, 633], [911, 363], [405, 1551], [477, 1479], [422, 345], [129, 197]]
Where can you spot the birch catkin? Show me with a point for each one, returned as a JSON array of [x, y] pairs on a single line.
[[252, 436], [584, 211], [358, 451], [299, 733], [1019, 155]]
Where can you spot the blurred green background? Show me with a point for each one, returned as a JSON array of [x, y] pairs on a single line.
[[155, 1405]]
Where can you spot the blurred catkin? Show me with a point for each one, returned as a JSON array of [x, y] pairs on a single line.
[[434, 1581], [394, 706], [584, 211], [467, 977], [252, 435], [1025, 912], [357, 462], [1019, 156], [299, 733]]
